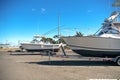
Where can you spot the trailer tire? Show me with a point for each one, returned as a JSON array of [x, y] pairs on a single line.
[[118, 61]]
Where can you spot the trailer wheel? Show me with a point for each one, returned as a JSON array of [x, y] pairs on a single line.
[[118, 61]]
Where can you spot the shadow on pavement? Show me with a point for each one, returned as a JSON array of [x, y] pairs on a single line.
[[27, 54], [74, 63]]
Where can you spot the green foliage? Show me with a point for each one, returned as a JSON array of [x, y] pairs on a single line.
[[78, 34], [61, 41], [56, 36], [46, 40]]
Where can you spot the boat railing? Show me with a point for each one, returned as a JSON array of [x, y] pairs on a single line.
[[50, 46]]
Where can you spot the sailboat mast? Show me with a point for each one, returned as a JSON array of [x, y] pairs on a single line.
[[58, 28]]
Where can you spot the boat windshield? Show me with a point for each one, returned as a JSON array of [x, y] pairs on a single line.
[[108, 31]]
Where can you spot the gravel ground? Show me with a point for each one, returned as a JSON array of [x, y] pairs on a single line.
[[33, 66]]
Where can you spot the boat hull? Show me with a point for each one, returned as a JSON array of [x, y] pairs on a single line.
[[39, 47], [41, 50], [94, 46], [92, 53]]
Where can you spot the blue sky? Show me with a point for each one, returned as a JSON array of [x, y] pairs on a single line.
[[22, 19]]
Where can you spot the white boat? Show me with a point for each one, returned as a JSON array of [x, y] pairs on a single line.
[[39, 46], [104, 44]]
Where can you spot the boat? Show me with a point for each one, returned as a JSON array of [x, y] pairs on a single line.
[[104, 43], [37, 46]]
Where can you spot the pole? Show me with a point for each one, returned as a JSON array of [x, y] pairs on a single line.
[[58, 28], [49, 57]]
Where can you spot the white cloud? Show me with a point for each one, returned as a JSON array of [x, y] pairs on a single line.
[[33, 9], [43, 10], [89, 11]]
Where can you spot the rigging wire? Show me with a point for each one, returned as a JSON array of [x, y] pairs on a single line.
[[55, 30]]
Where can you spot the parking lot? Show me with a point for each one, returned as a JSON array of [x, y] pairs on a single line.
[[33, 66]]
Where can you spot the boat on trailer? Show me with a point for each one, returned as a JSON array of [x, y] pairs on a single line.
[[37, 46], [105, 43]]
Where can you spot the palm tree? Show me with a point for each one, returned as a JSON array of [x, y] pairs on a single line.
[[49, 40], [79, 34], [44, 39], [61, 41]]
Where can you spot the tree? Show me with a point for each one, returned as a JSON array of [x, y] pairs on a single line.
[[61, 41], [43, 39], [56, 36], [34, 41], [49, 40], [79, 34]]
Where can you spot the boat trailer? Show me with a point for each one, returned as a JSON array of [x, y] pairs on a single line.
[[116, 60]]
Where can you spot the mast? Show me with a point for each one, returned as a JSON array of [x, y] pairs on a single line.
[[58, 28]]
